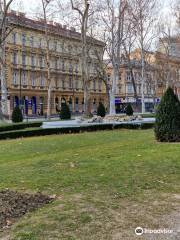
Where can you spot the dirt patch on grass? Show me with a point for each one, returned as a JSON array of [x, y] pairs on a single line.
[[13, 205]]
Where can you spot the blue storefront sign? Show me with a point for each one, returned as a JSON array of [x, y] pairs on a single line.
[[117, 100]]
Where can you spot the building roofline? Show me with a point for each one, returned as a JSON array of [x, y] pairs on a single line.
[[20, 19]]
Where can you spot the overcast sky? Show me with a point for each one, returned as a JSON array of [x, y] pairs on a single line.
[[29, 6]]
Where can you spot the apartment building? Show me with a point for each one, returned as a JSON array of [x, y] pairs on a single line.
[[27, 72], [161, 70], [129, 86]]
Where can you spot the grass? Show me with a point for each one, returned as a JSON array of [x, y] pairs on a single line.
[[105, 183]]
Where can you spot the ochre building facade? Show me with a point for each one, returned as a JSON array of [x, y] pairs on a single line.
[[26, 71]]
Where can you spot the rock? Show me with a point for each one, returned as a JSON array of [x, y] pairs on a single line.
[[139, 117], [80, 119], [96, 119]]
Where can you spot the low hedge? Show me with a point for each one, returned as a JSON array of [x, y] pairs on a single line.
[[19, 126], [66, 130], [148, 115]]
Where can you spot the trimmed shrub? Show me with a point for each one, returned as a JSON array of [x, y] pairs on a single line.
[[167, 126], [129, 110], [69, 130], [101, 111], [65, 113], [17, 115], [19, 126]]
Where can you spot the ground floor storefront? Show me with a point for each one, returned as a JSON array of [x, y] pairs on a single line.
[[122, 101], [35, 103]]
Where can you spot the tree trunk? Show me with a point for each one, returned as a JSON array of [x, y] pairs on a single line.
[[142, 82], [134, 84], [87, 101], [115, 78], [108, 98], [4, 107], [49, 102]]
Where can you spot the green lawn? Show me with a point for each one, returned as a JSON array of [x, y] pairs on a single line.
[[107, 183]]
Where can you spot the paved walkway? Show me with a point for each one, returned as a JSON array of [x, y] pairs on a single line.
[[76, 123]]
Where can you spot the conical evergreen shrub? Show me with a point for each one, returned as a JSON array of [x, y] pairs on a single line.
[[17, 115], [101, 111], [167, 126], [65, 113], [129, 110]]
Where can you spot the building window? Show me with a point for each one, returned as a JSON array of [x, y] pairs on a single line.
[[23, 39], [100, 85], [77, 82], [42, 81], [77, 105], [15, 77], [70, 49], [31, 41], [76, 68], [63, 83], [23, 59], [94, 84], [129, 88], [56, 63], [41, 62], [70, 81], [14, 34], [62, 47], [63, 66], [32, 61], [40, 43], [33, 80], [55, 45], [109, 77], [70, 68], [24, 78], [128, 76], [14, 58]]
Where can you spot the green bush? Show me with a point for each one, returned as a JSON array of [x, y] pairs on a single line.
[[17, 115], [19, 126], [69, 130], [65, 113], [101, 111], [129, 110], [167, 126]]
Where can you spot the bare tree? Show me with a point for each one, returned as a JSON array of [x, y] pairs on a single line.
[[102, 74], [176, 11], [5, 30], [168, 36], [128, 46], [83, 11], [143, 15], [113, 21], [45, 7]]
